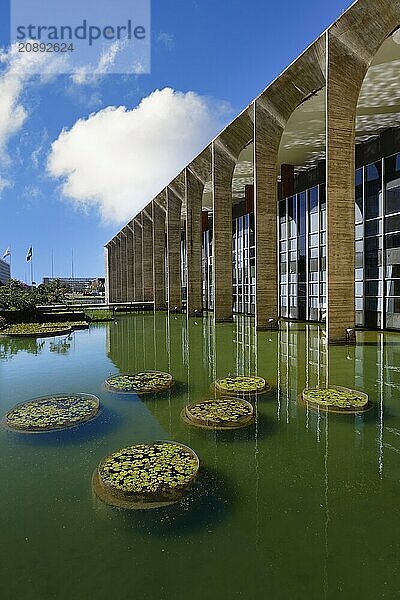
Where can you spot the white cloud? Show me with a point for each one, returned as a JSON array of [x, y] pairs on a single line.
[[16, 72], [118, 159], [89, 74], [4, 184]]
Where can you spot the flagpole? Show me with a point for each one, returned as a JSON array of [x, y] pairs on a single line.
[[52, 264]]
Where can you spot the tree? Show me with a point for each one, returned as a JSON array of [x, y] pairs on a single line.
[[16, 295]]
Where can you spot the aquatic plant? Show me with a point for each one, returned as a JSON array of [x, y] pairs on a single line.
[[52, 412], [37, 329], [99, 315], [140, 383], [336, 399], [158, 472], [220, 414], [241, 385]]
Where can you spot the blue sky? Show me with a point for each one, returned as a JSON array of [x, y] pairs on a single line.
[[224, 51]]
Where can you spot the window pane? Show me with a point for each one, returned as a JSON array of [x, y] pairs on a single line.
[[359, 195], [373, 192], [392, 179], [392, 224]]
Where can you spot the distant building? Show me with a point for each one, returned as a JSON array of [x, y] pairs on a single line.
[[5, 271], [90, 285]]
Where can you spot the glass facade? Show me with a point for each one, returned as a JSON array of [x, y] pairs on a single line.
[[378, 244], [302, 252], [302, 255], [207, 252], [244, 266], [302, 249]]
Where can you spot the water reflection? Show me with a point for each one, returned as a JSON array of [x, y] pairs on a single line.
[[9, 347], [60, 346], [197, 352], [278, 500]]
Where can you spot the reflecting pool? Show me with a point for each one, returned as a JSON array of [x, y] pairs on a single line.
[[301, 505]]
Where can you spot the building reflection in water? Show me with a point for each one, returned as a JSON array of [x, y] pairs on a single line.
[[197, 352]]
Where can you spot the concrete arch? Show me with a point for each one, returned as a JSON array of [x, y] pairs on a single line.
[[226, 149], [352, 42], [272, 110]]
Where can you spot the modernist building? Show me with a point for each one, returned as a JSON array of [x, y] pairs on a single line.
[[79, 284], [5, 271], [293, 210]]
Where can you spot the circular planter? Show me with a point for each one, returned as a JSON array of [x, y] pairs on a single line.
[[336, 399], [241, 385], [148, 382], [35, 330], [227, 413], [49, 413], [146, 475]]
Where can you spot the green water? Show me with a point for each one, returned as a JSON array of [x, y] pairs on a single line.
[[302, 505]]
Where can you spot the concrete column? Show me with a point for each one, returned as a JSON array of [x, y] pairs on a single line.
[[130, 271], [193, 197], [124, 267], [174, 208], [112, 269], [267, 136], [345, 73], [118, 271], [107, 274], [223, 165], [147, 254], [137, 224], [159, 256]]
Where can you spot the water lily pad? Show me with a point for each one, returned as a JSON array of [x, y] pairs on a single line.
[[243, 385], [48, 413], [226, 413], [146, 475], [336, 399], [148, 382]]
